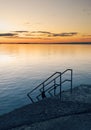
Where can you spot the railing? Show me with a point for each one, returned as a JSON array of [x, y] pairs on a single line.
[[51, 86]]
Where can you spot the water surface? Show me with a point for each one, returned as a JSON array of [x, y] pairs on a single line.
[[23, 67]]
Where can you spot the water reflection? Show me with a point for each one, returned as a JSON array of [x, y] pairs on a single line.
[[22, 67], [22, 58], [23, 49]]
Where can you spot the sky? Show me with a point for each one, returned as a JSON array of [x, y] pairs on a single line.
[[45, 21]]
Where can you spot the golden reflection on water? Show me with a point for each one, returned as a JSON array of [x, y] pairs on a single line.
[[36, 52], [5, 58], [43, 49]]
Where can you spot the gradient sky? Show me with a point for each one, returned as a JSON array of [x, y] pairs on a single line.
[[45, 21]]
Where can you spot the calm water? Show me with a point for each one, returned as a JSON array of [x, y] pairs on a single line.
[[22, 67]]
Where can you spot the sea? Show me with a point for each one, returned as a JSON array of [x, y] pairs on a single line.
[[25, 66]]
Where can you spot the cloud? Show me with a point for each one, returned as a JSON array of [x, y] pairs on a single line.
[[37, 34], [44, 32], [41, 33], [8, 34], [87, 35], [21, 31], [50, 34], [64, 34]]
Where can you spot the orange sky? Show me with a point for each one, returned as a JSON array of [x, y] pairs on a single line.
[[45, 21]]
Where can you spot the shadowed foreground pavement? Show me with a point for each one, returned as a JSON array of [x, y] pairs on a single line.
[[74, 122], [70, 113]]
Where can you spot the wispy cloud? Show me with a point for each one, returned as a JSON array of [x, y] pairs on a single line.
[[44, 32], [65, 34], [21, 31], [8, 34], [37, 34], [50, 34], [86, 35]]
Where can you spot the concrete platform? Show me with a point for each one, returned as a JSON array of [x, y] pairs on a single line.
[[71, 109]]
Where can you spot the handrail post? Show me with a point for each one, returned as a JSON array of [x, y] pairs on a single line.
[[43, 87], [71, 80], [43, 92], [60, 86], [54, 87], [30, 98]]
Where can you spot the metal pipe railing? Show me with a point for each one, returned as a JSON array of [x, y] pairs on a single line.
[[43, 82], [42, 87]]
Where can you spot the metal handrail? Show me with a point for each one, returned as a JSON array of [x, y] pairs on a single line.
[[49, 80], [44, 82], [66, 71]]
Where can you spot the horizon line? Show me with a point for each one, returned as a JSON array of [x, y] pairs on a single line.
[[46, 43]]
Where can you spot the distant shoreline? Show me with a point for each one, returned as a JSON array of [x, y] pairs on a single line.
[[70, 43]]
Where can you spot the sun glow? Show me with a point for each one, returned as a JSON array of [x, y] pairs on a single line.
[[5, 58], [5, 26]]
